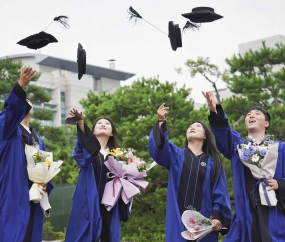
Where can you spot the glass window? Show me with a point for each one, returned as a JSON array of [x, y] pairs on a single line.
[[62, 99], [63, 116], [48, 91], [49, 106]]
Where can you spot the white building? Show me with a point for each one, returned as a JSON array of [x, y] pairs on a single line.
[[257, 44], [60, 79]]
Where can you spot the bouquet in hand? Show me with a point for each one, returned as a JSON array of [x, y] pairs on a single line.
[[261, 160], [253, 153], [196, 224], [126, 157], [41, 169], [127, 172]]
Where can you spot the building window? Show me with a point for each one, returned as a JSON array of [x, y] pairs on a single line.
[[50, 106], [63, 109], [49, 92], [62, 99]]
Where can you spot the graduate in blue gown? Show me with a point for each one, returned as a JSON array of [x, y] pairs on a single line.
[[196, 177], [20, 219], [252, 221], [89, 219]]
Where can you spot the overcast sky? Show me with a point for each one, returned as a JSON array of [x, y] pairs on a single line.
[[102, 27]]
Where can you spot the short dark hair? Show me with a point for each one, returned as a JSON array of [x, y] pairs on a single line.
[[266, 114], [113, 140]]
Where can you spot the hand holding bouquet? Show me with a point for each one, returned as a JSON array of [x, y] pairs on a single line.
[[41, 169]]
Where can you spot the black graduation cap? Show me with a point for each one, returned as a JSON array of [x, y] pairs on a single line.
[[174, 35], [81, 61], [174, 32], [72, 120], [37, 41], [42, 39], [202, 15]]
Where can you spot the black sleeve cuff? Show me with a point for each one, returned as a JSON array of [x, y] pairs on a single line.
[[158, 135], [123, 209], [218, 119], [89, 141], [280, 195], [226, 222], [19, 91]]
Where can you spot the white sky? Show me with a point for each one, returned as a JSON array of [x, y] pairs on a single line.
[[102, 27]]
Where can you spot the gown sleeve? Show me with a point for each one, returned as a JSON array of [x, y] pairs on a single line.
[[221, 201], [86, 148], [160, 149], [125, 209], [280, 194], [15, 109], [226, 139]]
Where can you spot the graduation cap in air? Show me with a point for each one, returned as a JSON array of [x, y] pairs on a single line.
[[174, 32], [72, 120], [42, 38], [200, 15], [81, 61]]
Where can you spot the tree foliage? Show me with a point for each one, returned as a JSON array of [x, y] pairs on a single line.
[[258, 79]]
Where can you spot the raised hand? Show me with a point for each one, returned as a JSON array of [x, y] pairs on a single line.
[[27, 74], [211, 101], [161, 111], [74, 112]]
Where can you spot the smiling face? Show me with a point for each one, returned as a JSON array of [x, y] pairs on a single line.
[[196, 132], [103, 127], [255, 121]]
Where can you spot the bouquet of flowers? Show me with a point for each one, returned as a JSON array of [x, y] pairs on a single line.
[[126, 157], [261, 160], [127, 172], [254, 154], [41, 169], [196, 224]]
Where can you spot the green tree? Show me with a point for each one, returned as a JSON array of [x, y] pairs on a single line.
[[209, 71], [133, 110], [257, 79]]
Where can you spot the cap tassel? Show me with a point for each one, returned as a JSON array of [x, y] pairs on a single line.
[[62, 20], [192, 26], [133, 14]]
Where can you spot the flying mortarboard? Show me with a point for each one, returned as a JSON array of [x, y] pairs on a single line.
[[42, 39], [81, 61], [72, 120], [174, 32], [200, 15]]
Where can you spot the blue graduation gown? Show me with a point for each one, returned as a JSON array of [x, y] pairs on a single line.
[[252, 222], [89, 219], [14, 185], [186, 174]]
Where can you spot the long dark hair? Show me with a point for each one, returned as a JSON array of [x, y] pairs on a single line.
[[210, 149], [113, 140]]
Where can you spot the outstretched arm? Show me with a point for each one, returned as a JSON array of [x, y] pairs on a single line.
[[16, 106], [160, 149], [226, 139]]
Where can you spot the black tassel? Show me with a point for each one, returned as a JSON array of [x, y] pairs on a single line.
[[134, 15], [62, 20], [190, 25]]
